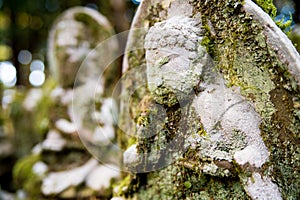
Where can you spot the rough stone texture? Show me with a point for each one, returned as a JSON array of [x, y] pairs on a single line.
[[276, 39], [262, 188], [234, 117], [172, 47]]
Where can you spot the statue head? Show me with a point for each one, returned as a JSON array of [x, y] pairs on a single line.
[[175, 59]]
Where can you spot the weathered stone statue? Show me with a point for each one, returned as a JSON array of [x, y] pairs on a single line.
[[59, 166], [210, 104], [73, 37]]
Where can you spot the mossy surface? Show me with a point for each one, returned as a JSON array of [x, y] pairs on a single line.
[[179, 182], [244, 58], [239, 49]]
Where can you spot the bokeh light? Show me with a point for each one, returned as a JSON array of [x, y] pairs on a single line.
[[5, 52], [24, 57], [8, 96], [4, 21], [37, 65], [8, 74], [23, 20], [36, 23], [37, 78]]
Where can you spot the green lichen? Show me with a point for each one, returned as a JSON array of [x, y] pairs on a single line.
[[238, 46], [207, 43], [215, 161], [123, 186], [246, 61], [187, 184], [163, 61], [177, 182], [128, 186], [165, 96]]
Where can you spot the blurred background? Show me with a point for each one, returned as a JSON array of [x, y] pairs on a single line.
[[24, 29]]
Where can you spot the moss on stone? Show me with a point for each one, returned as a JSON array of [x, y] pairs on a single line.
[[178, 182], [246, 61], [25, 178], [238, 46], [128, 186]]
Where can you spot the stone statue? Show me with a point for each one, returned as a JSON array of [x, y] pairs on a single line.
[[217, 118]]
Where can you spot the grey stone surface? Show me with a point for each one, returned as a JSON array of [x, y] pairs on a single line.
[[224, 113], [174, 57], [259, 187], [131, 156]]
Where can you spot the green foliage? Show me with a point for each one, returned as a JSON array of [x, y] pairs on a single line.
[[123, 186], [285, 25], [268, 7]]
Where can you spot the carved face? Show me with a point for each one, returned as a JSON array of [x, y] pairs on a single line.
[[175, 58]]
